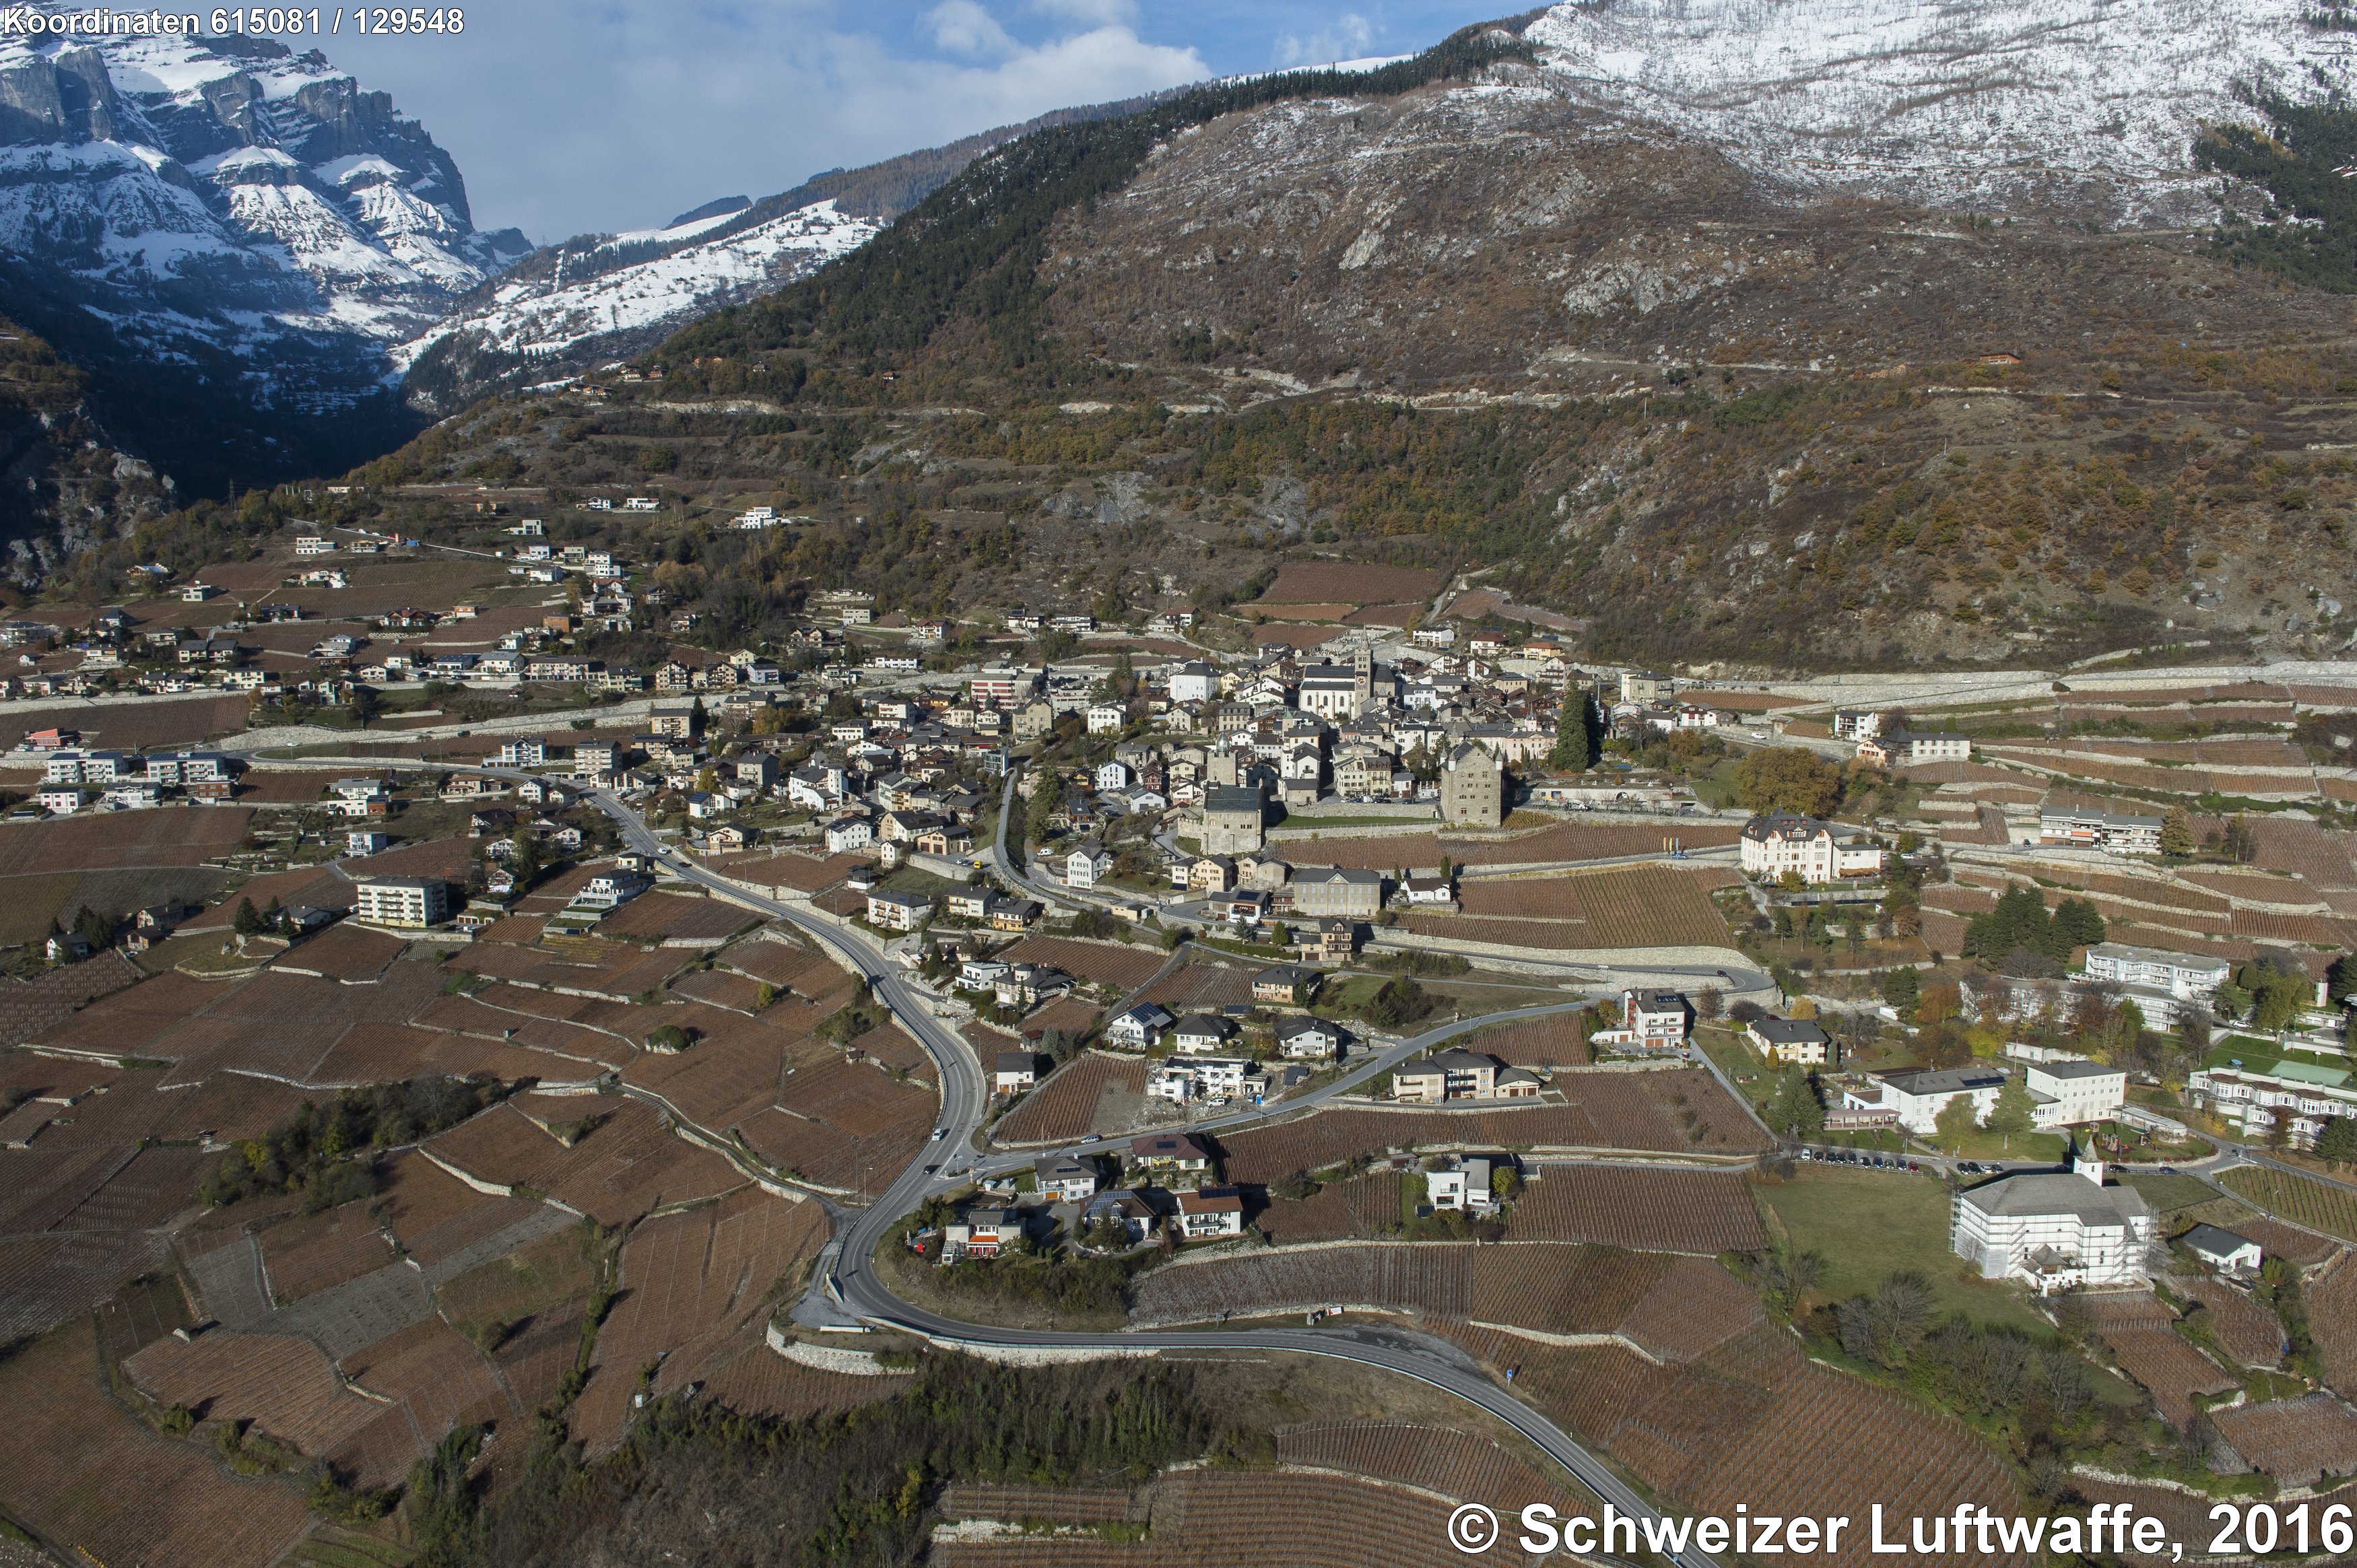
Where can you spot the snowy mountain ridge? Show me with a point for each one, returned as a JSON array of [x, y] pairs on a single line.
[[543, 319], [1992, 103], [145, 166]]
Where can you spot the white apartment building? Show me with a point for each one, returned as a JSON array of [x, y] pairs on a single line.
[[1817, 851], [2075, 1093], [1199, 1078], [1917, 1098], [1194, 681], [2054, 1230], [2124, 833], [413, 901], [2186, 976]]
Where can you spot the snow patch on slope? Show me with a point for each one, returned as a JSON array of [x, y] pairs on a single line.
[[1950, 102], [548, 317]]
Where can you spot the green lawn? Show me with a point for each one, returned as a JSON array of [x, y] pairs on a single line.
[[2168, 1193], [1985, 1144], [1868, 1224]]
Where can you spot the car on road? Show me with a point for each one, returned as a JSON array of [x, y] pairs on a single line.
[[940, 1132], [1093, 1138]]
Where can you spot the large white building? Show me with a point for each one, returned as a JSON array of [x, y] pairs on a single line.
[[2165, 986], [400, 900], [2055, 1230], [1917, 1097], [2123, 833], [1819, 852], [2075, 1093]]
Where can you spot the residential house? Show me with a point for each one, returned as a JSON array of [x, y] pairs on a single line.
[[1063, 1179], [1171, 1158], [2123, 833], [1307, 1038], [1210, 1212], [2223, 1250], [1905, 747], [1780, 841], [1201, 1034], [1650, 1020], [1325, 941], [1087, 865], [1461, 1075], [1790, 1040], [1288, 985], [895, 911], [611, 889], [1462, 1185], [1137, 1027], [1011, 913]]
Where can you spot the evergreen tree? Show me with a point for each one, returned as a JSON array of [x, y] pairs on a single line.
[[1573, 751], [2013, 1114], [2337, 1142], [1902, 988], [2077, 924], [2176, 831], [247, 922]]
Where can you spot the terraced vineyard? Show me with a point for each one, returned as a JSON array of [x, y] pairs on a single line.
[[1454, 1464], [2304, 1200], [1707, 1212], [1425, 1277], [1065, 1106]]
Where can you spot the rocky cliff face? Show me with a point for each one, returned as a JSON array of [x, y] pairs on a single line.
[[252, 222]]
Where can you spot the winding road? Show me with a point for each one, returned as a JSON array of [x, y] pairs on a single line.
[[845, 1288]]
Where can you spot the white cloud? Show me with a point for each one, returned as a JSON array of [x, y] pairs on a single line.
[[1090, 13], [570, 116], [1349, 37], [962, 26]]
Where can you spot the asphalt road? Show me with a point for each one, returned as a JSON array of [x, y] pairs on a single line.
[[850, 1285]]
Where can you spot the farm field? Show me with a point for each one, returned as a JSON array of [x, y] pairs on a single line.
[[78, 1467], [1868, 1225], [1342, 582], [1117, 964], [1705, 1212], [1304, 1519], [1534, 1042], [2294, 1437], [2304, 1200], [1454, 1464], [2332, 1301], [1066, 1106], [1202, 983], [2250, 1334], [688, 1280], [1677, 1110], [1339, 1211]]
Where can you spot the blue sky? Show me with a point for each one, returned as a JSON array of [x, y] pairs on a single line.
[[568, 116]]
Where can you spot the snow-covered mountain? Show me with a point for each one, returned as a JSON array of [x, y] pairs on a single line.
[[245, 232], [595, 296], [2092, 104], [148, 163]]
